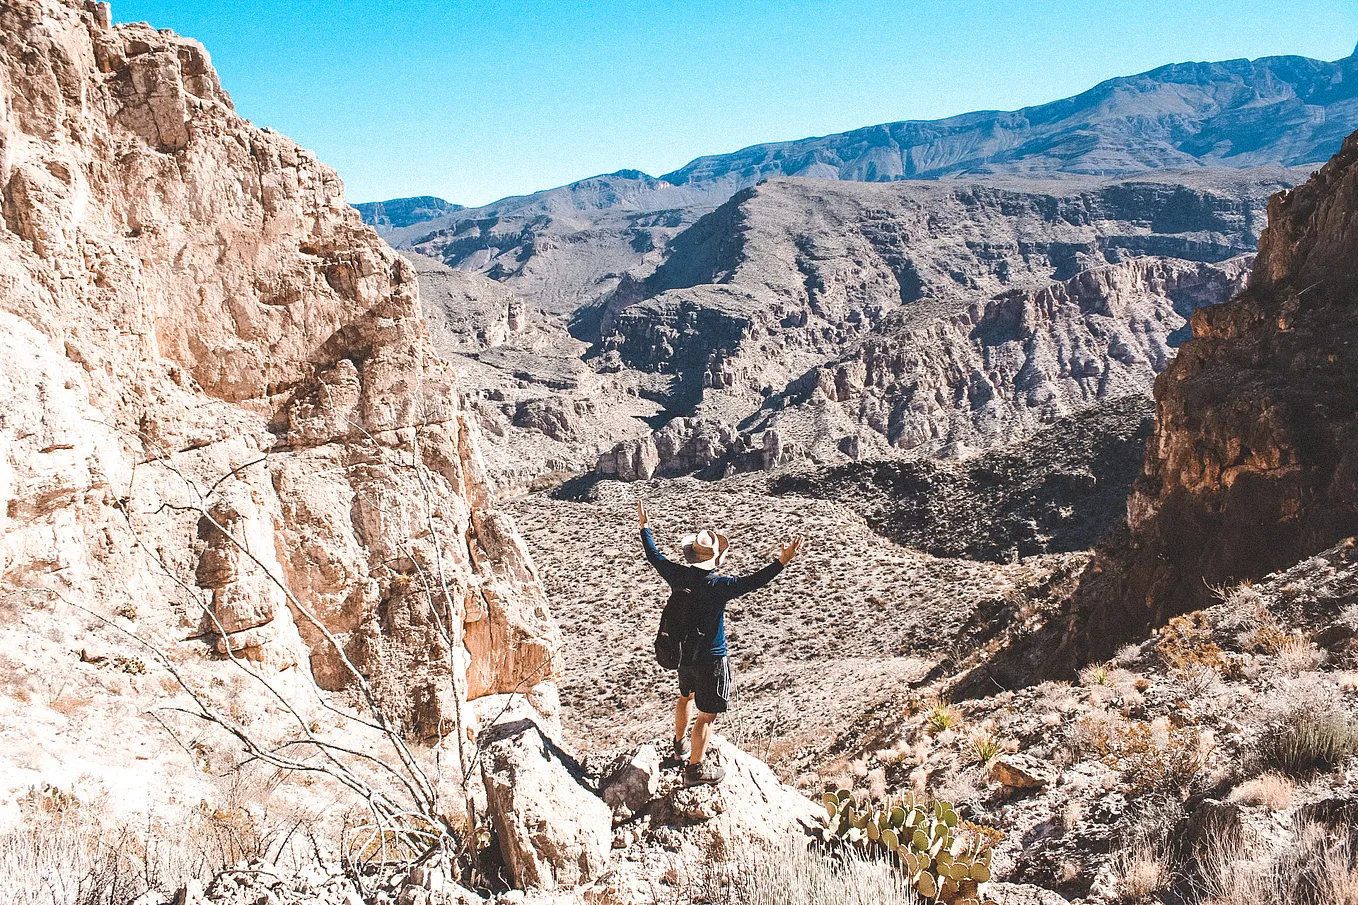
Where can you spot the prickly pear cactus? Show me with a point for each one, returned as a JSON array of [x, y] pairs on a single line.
[[942, 863]]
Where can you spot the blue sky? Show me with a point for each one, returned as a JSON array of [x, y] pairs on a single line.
[[473, 100]]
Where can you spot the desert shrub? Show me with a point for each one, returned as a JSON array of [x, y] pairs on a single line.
[[1186, 643], [62, 854], [1152, 757], [793, 875], [1306, 740], [1266, 634], [1200, 682], [68, 852]]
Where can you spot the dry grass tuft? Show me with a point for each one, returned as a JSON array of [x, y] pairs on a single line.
[[1271, 790], [1140, 873], [1314, 867], [1296, 655], [66, 852], [794, 875]]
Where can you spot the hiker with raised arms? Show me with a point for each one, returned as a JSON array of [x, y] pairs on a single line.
[[692, 635]]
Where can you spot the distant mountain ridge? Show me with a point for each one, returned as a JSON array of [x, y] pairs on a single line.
[[399, 212], [1284, 110], [1281, 110]]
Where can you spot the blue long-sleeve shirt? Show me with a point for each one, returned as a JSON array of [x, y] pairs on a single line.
[[707, 592]]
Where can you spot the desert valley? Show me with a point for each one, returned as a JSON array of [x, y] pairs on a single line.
[[321, 574]]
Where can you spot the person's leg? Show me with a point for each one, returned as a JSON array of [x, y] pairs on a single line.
[[683, 712], [702, 733], [711, 689]]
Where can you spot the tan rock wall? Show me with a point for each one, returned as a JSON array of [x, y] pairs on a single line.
[[1254, 461], [193, 317]]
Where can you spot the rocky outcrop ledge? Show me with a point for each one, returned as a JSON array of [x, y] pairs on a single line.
[[1254, 461]]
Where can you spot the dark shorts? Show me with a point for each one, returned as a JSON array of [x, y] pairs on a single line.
[[709, 681]]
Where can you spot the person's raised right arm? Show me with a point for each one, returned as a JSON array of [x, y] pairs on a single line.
[[648, 547]]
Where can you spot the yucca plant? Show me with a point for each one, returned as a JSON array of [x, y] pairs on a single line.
[[940, 716], [984, 747]]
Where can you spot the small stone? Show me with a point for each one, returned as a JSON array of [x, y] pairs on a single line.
[[1021, 771], [632, 781]]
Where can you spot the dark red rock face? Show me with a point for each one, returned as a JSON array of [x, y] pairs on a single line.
[[1254, 461]]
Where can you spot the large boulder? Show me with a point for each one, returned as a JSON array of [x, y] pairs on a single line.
[[749, 807], [552, 830]]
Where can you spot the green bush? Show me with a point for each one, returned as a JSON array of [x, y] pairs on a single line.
[[1308, 740]]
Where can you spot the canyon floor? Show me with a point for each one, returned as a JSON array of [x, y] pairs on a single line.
[[849, 626]]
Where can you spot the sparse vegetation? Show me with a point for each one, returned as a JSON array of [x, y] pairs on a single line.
[[1186, 643], [983, 746], [1314, 866], [941, 716], [1271, 790], [1306, 739], [1140, 872], [1152, 757], [66, 852], [1095, 674]]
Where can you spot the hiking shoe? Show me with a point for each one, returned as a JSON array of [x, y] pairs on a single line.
[[703, 774], [681, 749]]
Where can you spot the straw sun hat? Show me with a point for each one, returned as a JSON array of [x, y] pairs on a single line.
[[706, 549]]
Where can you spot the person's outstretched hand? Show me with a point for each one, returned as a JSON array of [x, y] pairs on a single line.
[[791, 549], [641, 513]]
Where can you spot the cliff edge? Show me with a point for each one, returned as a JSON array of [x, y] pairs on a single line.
[[1253, 465], [224, 428]]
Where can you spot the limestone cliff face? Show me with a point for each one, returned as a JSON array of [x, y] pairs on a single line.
[[1254, 461], [192, 316], [1010, 365]]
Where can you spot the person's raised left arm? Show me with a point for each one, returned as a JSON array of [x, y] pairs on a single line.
[[746, 584]]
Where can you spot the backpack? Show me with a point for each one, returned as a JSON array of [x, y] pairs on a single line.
[[678, 640]]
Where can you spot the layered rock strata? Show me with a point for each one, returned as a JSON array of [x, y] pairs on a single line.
[[861, 320]]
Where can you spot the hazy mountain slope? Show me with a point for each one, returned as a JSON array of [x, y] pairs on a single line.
[[1239, 113], [1242, 113], [398, 212]]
